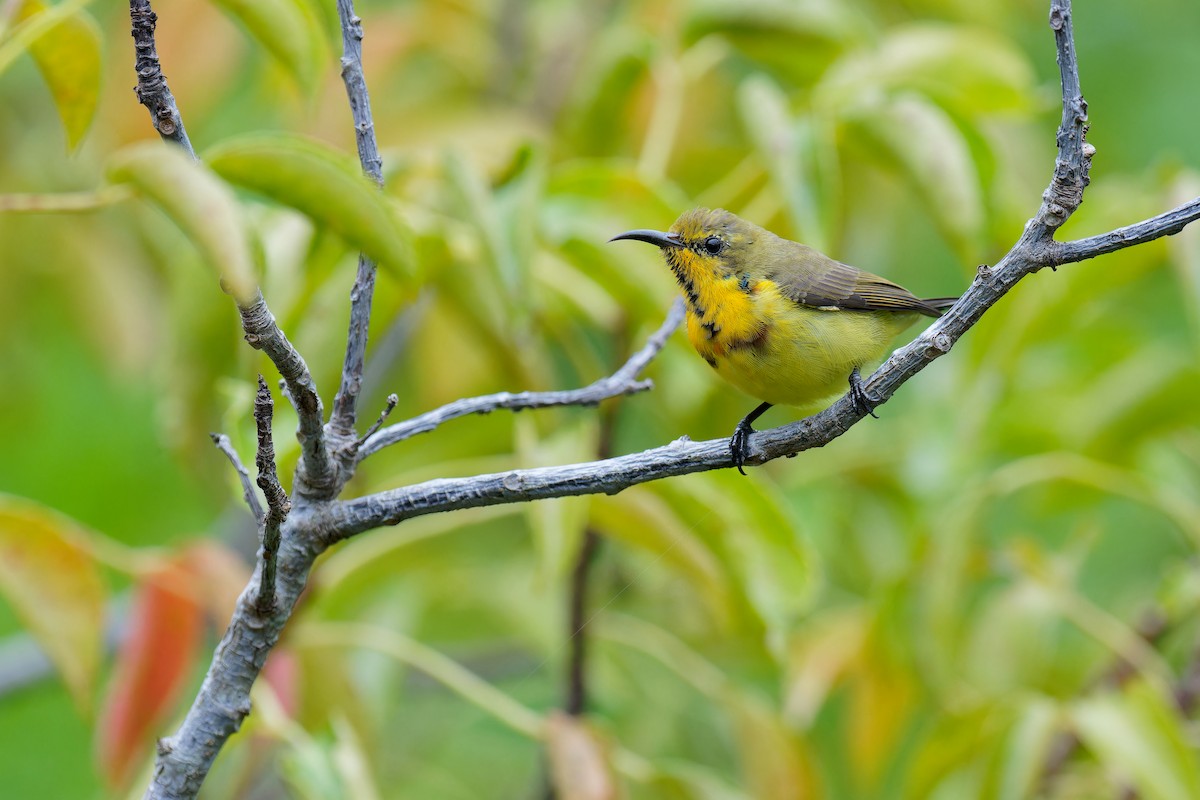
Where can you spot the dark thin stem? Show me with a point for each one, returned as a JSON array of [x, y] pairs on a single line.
[[225, 446], [623, 381], [345, 404], [152, 91], [392, 400], [278, 504], [575, 701]]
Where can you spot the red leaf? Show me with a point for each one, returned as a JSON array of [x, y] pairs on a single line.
[[282, 672], [154, 663]]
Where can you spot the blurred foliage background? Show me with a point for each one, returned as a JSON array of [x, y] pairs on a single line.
[[923, 609]]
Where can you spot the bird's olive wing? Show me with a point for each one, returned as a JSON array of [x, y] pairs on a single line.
[[810, 278]]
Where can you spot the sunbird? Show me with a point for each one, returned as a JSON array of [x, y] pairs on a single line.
[[778, 319]]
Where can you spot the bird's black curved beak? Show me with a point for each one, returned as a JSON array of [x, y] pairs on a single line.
[[650, 237]]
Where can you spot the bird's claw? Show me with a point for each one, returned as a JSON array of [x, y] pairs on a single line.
[[863, 400], [739, 444]]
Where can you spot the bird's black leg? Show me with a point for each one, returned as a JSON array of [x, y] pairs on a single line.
[[738, 444], [865, 401]]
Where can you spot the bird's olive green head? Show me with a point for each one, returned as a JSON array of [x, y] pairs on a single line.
[[706, 244]]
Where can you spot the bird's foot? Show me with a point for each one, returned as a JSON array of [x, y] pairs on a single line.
[[863, 400], [739, 444]]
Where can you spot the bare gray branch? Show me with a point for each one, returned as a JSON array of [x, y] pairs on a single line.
[[345, 403], [621, 382], [1167, 224], [317, 476]]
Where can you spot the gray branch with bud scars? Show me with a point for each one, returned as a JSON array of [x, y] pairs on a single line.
[[318, 518]]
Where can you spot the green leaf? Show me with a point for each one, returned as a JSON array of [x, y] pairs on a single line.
[[778, 140], [198, 202], [557, 525], [1022, 762], [640, 518], [1136, 733], [53, 583], [290, 32], [793, 40], [773, 564], [318, 181], [68, 56], [922, 141], [970, 70]]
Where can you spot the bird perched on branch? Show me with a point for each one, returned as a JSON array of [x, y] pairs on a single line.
[[777, 319]]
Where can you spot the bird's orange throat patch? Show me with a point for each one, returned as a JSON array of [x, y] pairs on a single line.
[[722, 307]]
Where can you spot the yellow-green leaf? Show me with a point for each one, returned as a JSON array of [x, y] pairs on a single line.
[[16, 41], [198, 202], [320, 182], [290, 32], [54, 585], [968, 70], [777, 138], [1136, 733], [68, 56]]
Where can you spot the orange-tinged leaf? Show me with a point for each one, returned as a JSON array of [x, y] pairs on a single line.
[[578, 761], [775, 761], [154, 662], [219, 576], [53, 583]]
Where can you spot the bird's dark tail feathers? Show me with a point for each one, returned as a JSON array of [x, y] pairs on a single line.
[[937, 305]]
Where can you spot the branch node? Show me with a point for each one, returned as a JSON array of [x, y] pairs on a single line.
[[392, 400]]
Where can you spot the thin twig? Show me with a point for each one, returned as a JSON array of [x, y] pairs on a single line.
[[278, 504], [318, 476], [225, 446], [1168, 224], [392, 400], [575, 700], [152, 91], [623, 381], [341, 421]]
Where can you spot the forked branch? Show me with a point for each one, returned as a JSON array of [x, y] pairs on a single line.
[[223, 700], [623, 381]]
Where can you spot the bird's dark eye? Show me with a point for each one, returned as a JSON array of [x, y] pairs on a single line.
[[713, 245]]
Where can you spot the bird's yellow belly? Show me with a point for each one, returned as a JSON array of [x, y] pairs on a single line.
[[800, 356]]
